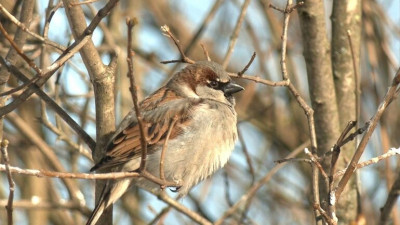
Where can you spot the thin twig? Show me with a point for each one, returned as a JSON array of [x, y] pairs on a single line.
[[276, 8], [248, 65], [350, 125], [196, 37], [390, 202], [355, 134], [11, 184], [173, 61], [82, 3], [328, 219], [88, 176], [66, 55], [160, 216], [228, 198], [253, 190], [356, 78], [244, 213], [284, 39], [235, 34], [316, 162], [52, 161], [164, 148], [288, 9], [364, 141], [49, 101], [24, 28], [76, 148], [258, 79], [16, 89], [334, 158], [191, 214], [184, 58], [37, 203], [303, 104], [293, 160], [19, 51], [336, 151], [246, 154], [205, 52], [193, 41], [131, 23], [374, 160]]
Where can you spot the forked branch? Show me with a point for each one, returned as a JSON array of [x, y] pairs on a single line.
[[184, 59]]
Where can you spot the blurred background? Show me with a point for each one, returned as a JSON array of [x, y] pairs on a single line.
[[271, 122]]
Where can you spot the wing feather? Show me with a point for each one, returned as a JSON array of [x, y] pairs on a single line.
[[126, 145]]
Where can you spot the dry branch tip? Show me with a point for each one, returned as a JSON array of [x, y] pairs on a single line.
[[167, 32], [205, 52], [248, 65], [131, 22]]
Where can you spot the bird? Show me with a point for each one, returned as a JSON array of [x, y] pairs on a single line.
[[199, 102]]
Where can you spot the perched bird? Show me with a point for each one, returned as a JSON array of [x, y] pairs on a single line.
[[199, 100]]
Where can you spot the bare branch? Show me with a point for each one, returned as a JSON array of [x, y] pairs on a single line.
[[314, 160], [248, 65], [24, 28], [49, 101], [193, 215], [253, 190], [164, 148], [235, 33], [17, 89], [374, 122], [328, 219], [205, 52], [68, 53], [11, 184], [35, 203], [82, 3], [257, 79], [246, 154], [19, 51], [356, 76], [88, 176], [184, 58], [336, 151], [374, 160], [131, 23], [307, 109], [390, 202]]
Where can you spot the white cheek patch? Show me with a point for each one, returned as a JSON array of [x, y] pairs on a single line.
[[189, 92], [225, 80]]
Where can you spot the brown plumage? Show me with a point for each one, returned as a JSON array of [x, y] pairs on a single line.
[[199, 99]]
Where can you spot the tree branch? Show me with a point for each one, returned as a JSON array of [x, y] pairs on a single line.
[[11, 184], [391, 93]]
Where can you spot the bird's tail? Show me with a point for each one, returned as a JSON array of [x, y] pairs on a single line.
[[111, 192]]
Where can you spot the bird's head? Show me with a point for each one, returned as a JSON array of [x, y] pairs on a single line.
[[206, 80]]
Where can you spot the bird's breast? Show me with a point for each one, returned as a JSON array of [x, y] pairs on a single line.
[[203, 147], [207, 143]]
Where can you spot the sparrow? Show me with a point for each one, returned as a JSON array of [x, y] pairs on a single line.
[[199, 100]]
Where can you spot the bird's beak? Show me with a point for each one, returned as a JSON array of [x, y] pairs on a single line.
[[232, 88]]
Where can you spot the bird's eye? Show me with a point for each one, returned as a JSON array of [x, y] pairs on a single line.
[[214, 84]]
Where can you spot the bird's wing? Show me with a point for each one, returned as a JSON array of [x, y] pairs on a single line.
[[157, 115]]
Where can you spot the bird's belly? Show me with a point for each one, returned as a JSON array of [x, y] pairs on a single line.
[[200, 151], [203, 147]]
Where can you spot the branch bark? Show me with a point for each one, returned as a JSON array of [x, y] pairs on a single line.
[[12, 56], [103, 82], [320, 80], [346, 16], [391, 93]]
